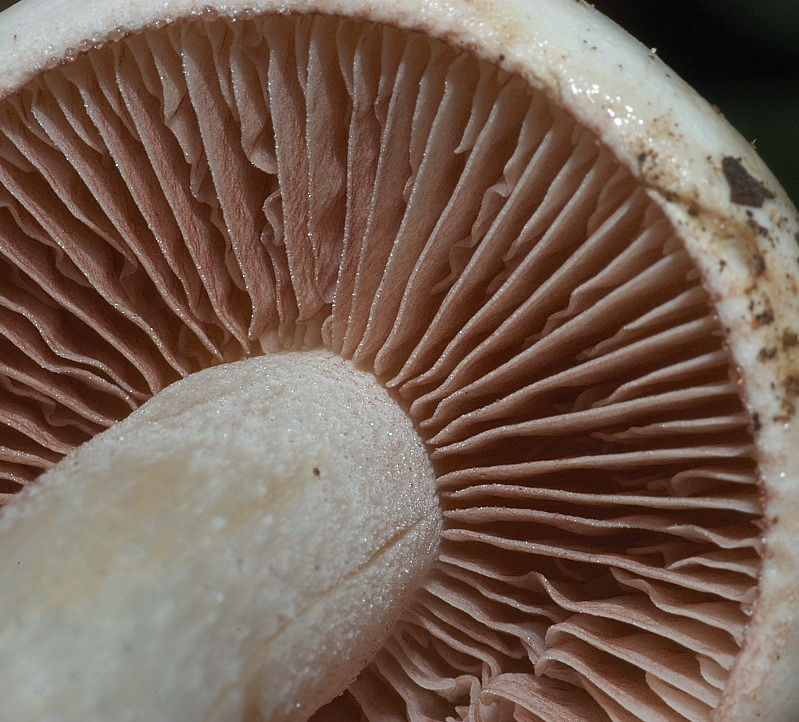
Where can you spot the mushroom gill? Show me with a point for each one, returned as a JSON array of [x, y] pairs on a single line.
[[219, 187]]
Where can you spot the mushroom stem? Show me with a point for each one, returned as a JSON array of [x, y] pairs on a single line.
[[238, 548]]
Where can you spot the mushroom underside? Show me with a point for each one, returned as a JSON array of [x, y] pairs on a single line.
[[213, 190]]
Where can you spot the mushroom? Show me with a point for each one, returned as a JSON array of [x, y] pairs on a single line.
[[364, 361]]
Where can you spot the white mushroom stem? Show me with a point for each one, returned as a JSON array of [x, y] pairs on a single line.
[[238, 548]]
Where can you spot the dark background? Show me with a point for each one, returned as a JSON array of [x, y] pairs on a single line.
[[742, 55]]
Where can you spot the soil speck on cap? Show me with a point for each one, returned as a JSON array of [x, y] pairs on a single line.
[[745, 190], [789, 339]]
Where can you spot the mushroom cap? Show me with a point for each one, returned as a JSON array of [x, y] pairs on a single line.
[[735, 222]]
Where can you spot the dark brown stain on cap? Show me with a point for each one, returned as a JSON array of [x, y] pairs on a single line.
[[745, 189]]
